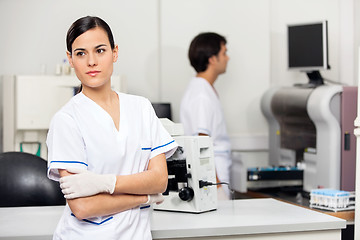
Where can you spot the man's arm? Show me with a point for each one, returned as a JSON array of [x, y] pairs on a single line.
[[217, 179]]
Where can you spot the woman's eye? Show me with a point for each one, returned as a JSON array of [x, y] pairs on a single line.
[[100, 50], [80, 54]]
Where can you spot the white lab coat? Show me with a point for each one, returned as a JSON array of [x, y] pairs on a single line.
[[83, 135], [201, 112]]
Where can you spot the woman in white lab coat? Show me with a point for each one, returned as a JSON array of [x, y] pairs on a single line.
[[107, 149]]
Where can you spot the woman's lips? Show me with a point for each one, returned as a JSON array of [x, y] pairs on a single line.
[[93, 73]]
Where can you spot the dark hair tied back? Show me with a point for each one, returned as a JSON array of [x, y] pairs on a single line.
[[84, 24]]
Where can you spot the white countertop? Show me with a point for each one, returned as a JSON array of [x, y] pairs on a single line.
[[250, 216]]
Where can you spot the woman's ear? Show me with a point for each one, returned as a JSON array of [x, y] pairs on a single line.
[[115, 53], [69, 56]]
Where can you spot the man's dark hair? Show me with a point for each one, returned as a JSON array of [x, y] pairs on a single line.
[[202, 47]]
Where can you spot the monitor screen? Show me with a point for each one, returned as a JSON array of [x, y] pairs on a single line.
[[308, 46], [162, 110]]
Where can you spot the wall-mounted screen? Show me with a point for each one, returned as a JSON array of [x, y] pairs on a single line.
[[308, 49]]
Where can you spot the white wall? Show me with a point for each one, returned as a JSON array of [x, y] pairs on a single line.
[[357, 38], [347, 50], [285, 12], [154, 35], [245, 25], [33, 33]]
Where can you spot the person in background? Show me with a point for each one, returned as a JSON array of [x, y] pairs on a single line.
[[108, 149], [200, 111]]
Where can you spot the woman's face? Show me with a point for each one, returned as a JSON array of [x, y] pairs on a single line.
[[92, 58]]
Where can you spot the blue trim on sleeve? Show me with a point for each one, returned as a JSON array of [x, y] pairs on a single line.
[[143, 207], [88, 221], [152, 149], [163, 145], [68, 162]]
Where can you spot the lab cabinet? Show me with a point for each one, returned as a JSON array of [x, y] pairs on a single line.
[[28, 105]]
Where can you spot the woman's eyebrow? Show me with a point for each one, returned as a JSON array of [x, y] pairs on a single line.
[[83, 49], [79, 49], [101, 45]]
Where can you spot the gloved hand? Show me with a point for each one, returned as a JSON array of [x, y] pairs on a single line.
[[154, 198], [85, 183]]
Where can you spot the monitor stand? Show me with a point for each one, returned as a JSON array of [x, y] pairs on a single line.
[[315, 80]]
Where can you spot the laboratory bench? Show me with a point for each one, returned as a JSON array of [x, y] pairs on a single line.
[[296, 197], [260, 218]]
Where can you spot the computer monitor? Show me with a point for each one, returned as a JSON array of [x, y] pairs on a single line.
[[308, 49], [162, 110]]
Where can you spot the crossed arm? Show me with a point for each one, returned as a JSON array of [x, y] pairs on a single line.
[[130, 191]]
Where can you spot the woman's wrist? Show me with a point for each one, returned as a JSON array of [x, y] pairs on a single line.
[[144, 199]]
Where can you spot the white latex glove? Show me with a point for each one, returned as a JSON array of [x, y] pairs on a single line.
[[85, 183], [154, 198]]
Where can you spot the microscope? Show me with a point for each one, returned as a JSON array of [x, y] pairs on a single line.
[[191, 172]]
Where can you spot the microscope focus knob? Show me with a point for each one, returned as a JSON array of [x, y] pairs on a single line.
[[186, 194]]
